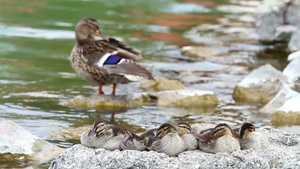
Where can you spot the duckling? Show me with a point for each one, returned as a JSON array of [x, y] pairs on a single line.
[[105, 61], [110, 137], [167, 140], [187, 134], [249, 138], [220, 139]]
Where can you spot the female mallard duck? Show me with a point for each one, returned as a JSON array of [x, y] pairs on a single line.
[[106, 61], [167, 140], [220, 139], [187, 134], [249, 138], [110, 138]]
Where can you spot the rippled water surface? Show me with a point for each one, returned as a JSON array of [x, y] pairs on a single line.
[[36, 76]]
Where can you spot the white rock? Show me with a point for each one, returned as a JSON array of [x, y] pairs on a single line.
[[265, 73], [293, 13], [16, 140], [286, 100], [292, 70], [294, 55], [283, 147], [294, 43]]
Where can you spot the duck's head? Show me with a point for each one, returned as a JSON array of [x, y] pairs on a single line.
[[98, 127], [86, 28], [165, 129], [184, 128], [246, 129], [222, 130]]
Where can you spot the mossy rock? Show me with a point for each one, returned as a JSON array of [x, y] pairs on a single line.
[[246, 95], [281, 118], [162, 84], [109, 102], [191, 101], [187, 98], [69, 133], [198, 51]]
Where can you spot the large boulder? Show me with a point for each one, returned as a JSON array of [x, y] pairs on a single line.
[[283, 152], [284, 108], [292, 70], [260, 86], [278, 20], [18, 143], [269, 16]]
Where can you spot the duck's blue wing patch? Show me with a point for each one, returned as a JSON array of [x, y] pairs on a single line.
[[113, 59]]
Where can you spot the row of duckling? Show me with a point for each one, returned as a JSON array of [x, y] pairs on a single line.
[[173, 140]]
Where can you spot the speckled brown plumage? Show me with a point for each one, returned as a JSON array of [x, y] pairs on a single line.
[[88, 57]]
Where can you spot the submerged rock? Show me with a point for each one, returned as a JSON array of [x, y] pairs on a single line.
[[162, 84], [109, 102], [18, 143], [283, 152], [284, 107], [187, 98], [260, 86]]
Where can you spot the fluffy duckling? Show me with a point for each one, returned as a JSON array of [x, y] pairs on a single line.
[[187, 134], [110, 137], [220, 139], [167, 140], [249, 138], [106, 61]]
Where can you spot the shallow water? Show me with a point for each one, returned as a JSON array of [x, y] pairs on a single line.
[[37, 38]]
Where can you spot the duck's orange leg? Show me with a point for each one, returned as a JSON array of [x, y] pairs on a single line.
[[114, 89], [100, 89]]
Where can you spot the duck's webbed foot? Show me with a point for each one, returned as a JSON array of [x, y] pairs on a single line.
[[124, 141]]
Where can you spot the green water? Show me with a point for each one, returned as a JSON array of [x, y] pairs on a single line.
[[36, 38]]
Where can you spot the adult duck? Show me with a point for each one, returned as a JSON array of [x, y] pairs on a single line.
[[105, 61]]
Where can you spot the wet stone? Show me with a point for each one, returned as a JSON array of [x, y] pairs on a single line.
[[162, 84], [18, 143], [109, 102], [284, 107], [187, 98], [260, 86], [283, 152]]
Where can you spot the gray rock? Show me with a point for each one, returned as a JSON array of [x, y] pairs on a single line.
[[18, 141], [293, 13], [283, 152], [294, 43], [268, 17], [284, 32]]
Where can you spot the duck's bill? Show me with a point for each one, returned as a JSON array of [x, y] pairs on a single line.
[[100, 34], [92, 133]]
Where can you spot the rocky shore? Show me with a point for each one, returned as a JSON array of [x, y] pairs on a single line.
[[283, 152]]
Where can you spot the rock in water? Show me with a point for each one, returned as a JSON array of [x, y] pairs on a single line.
[[162, 84], [18, 142], [284, 107], [283, 152], [260, 86]]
